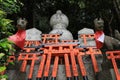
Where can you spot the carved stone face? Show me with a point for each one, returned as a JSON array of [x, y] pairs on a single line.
[[99, 24], [21, 23]]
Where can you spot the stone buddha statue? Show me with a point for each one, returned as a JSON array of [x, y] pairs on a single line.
[[59, 23]]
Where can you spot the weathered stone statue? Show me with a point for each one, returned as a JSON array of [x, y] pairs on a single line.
[[19, 38], [99, 34], [109, 42], [59, 23], [22, 34]]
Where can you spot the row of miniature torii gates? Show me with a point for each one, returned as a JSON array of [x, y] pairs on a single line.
[[51, 47]]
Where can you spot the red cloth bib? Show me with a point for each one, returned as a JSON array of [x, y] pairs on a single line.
[[18, 38], [99, 35]]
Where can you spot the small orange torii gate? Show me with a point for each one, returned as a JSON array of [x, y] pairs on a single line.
[[28, 57], [113, 56], [86, 36], [50, 38], [54, 49]]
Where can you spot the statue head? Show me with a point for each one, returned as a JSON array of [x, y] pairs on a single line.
[[99, 24], [21, 23], [59, 18]]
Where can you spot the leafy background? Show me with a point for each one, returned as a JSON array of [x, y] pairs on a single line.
[[7, 7]]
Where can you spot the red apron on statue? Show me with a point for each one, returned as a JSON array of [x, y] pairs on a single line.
[[18, 38], [99, 38]]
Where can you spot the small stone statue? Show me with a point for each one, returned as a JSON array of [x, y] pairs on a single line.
[[99, 34], [59, 22], [19, 38], [109, 42]]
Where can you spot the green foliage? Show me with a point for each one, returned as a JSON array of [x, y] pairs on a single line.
[[6, 27], [81, 4], [71, 1], [2, 68], [3, 76], [4, 23], [2, 14], [1, 55], [5, 48], [7, 7], [10, 6]]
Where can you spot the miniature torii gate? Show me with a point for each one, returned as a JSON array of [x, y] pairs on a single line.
[[114, 55], [66, 49]]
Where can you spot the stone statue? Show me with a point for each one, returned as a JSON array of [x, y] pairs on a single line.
[[99, 34], [19, 38], [109, 42], [59, 23]]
